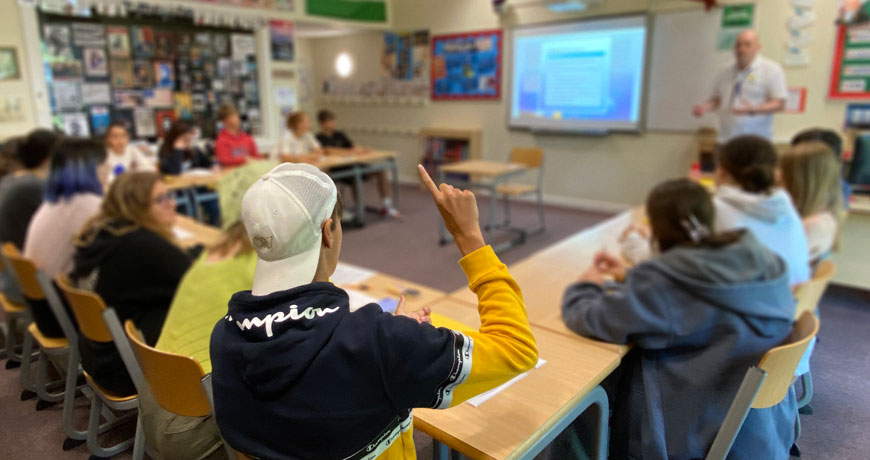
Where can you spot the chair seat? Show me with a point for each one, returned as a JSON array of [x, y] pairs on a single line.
[[11, 307], [107, 395], [47, 343], [516, 189]]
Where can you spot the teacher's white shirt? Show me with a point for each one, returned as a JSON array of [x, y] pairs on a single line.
[[761, 81]]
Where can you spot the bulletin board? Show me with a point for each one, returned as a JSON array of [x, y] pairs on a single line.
[[850, 72], [467, 66], [146, 71]]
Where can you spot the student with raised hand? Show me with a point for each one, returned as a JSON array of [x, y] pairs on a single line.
[[123, 157], [297, 375], [298, 144], [73, 194], [233, 146], [833, 140], [128, 255], [703, 310], [810, 174], [747, 197]]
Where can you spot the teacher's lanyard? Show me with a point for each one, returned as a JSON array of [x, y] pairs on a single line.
[[738, 84]]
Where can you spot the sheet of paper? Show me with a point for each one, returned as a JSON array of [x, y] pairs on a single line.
[[484, 397], [199, 172], [350, 274], [181, 233], [358, 299]]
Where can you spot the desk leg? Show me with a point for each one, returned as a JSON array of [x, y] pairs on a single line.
[[596, 397], [440, 451], [394, 169], [360, 199]]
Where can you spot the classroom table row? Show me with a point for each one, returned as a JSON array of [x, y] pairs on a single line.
[[520, 420], [338, 165]]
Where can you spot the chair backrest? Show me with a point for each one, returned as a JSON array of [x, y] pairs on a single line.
[[809, 294], [781, 362], [24, 271], [175, 380], [766, 385], [531, 157], [88, 309]]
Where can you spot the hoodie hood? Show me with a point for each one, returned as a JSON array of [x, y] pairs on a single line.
[[282, 333], [771, 208], [743, 277]]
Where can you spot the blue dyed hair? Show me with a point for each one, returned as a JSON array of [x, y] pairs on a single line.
[[73, 170]]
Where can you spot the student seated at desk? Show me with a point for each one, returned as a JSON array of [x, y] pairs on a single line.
[[233, 146], [297, 375], [699, 313], [178, 155], [331, 138], [122, 156], [810, 174], [747, 197], [298, 144], [832, 140], [73, 194], [128, 255]]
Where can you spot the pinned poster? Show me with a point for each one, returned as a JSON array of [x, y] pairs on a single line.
[[735, 18], [796, 100], [281, 40]]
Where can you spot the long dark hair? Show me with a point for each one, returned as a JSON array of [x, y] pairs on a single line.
[[681, 213], [178, 129], [73, 169], [751, 161]]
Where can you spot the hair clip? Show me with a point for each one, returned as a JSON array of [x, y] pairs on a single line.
[[696, 231]]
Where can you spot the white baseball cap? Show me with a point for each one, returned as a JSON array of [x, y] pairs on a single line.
[[283, 212]]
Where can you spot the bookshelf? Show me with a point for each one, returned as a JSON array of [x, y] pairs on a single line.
[[447, 145]]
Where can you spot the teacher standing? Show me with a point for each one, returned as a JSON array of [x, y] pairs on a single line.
[[748, 93]]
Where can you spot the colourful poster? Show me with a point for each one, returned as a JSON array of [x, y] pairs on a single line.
[[850, 72], [467, 66], [405, 55], [281, 38]]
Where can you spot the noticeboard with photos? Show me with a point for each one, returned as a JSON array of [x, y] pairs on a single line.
[[147, 71]]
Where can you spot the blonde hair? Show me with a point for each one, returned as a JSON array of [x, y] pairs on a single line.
[[294, 118], [811, 175], [128, 203], [235, 236]]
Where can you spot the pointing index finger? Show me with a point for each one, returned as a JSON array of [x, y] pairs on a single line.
[[433, 189]]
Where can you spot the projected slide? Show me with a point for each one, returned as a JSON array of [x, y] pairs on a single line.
[[579, 76]]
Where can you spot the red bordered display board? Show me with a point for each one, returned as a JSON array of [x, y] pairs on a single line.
[[467, 66], [850, 73]]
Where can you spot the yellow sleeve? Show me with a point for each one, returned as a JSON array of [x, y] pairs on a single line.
[[503, 347]]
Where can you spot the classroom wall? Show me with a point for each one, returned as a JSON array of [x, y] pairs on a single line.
[[610, 172], [12, 35]]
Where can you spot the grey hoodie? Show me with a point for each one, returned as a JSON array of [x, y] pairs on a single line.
[[774, 221], [699, 318]]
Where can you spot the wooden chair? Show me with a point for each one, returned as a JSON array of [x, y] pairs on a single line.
[[766, 385], [25, 273], [15, 318], [96, 323], [177, 382], [532, 158], [808, 296]]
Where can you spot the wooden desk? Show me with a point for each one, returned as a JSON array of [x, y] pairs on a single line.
[[188, 180], [525, 417], [200, 233], [544, 276], [494, 173], [416, 295]]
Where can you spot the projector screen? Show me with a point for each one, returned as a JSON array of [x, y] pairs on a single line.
[[582, 76]]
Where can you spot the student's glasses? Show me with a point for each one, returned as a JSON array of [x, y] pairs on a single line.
[[167, 197]]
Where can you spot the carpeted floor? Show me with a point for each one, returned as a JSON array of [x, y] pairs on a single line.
[[408, 249]]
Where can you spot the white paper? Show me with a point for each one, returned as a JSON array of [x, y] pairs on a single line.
[[484, 397], [181, 233], [243, 45], [350, 274], [358, 300], [96, 93], [199, 172]]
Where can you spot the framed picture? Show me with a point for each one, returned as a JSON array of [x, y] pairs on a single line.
[[9, 69], [466, 66]]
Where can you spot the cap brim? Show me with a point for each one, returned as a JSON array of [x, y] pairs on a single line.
[[288, 273]]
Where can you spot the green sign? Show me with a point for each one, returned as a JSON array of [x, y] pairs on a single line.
[[737, 15], [358, 10]]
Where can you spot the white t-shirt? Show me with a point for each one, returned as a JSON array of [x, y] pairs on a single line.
[[763, 80], [132, 159], [292, 145], [53, 229]]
